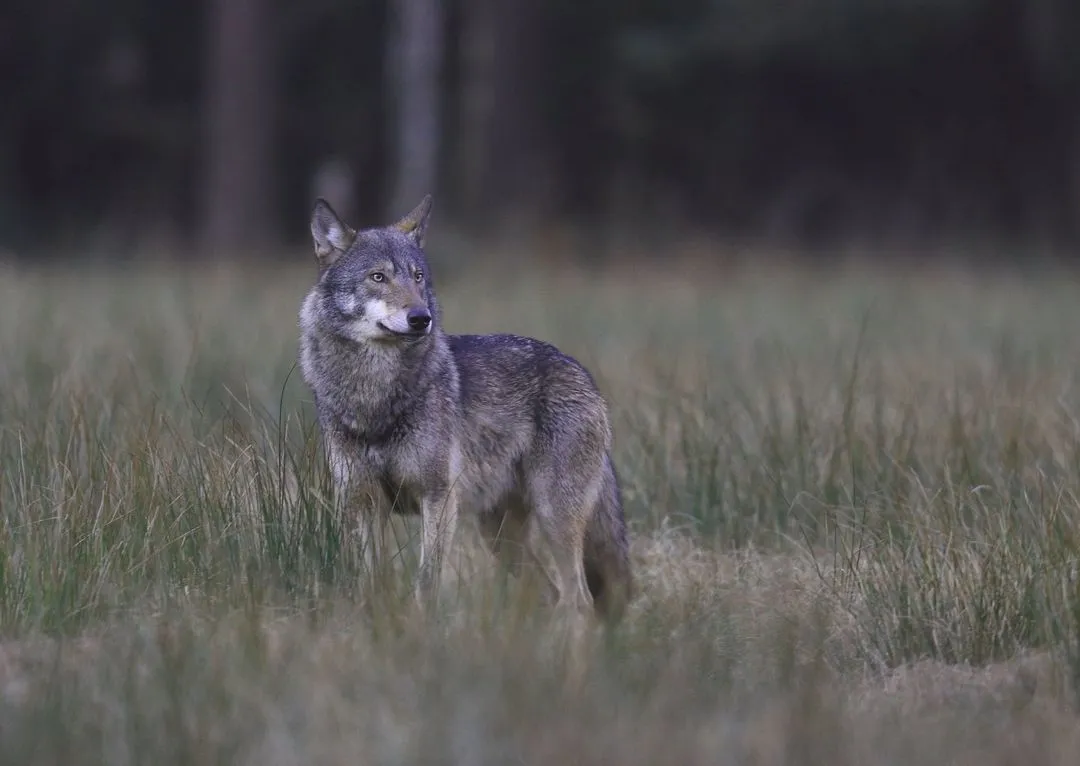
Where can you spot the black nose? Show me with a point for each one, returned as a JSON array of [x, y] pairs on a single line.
[[419, 319]]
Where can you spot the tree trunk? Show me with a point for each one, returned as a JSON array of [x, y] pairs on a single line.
[[477, 107], [500, 164], [238, 175], [415, 58], [1047, 28]]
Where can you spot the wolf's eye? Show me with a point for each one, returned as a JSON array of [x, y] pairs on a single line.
[[378, 276], [418, 276]]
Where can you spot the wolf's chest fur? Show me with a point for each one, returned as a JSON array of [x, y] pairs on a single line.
[[388, 429], [367, 392]]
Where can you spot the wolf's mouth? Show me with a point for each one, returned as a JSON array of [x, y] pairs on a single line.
[[404, 334]]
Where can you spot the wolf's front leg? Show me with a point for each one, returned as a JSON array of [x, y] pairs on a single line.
[[362, 505], [440, 516], [372, 527], [367, 520]]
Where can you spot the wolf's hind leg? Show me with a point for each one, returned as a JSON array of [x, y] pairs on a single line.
[[556, 532], [506, 532]]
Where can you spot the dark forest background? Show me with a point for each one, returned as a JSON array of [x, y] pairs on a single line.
[[211, 125]]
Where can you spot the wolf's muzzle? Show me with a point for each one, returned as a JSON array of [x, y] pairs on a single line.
[[419, 320]]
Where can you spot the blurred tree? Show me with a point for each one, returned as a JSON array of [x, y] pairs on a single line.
[[239, 179], [500, 149], [333, 93], [1049, 29], [808, 121], [476, 106], [415, 58]]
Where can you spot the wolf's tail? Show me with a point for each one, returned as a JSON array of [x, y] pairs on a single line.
[[607, 551]]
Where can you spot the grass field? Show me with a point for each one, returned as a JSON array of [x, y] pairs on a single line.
[[855, 504]]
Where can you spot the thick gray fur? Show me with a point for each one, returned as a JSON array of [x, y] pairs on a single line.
[[415, 420]]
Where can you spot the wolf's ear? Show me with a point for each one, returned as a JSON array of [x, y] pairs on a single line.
[[415, 223], [331, 236]]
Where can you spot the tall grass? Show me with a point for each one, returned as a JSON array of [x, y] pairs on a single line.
[[853, 501]]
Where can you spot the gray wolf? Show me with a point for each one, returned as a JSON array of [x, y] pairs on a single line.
[[418, 421]]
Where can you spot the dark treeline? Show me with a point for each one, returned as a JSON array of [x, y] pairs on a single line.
[[214, 123]]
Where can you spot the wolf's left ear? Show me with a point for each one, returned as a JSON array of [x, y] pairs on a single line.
[[415, 223], [331, 236]]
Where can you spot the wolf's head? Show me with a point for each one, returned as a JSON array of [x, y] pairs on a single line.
[[374, 284]]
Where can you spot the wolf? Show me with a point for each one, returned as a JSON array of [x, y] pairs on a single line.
[[418, 421]]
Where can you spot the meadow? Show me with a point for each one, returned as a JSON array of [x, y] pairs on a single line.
[[854, 498]]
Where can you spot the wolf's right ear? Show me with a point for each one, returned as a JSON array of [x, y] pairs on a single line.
[[331, 236]]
